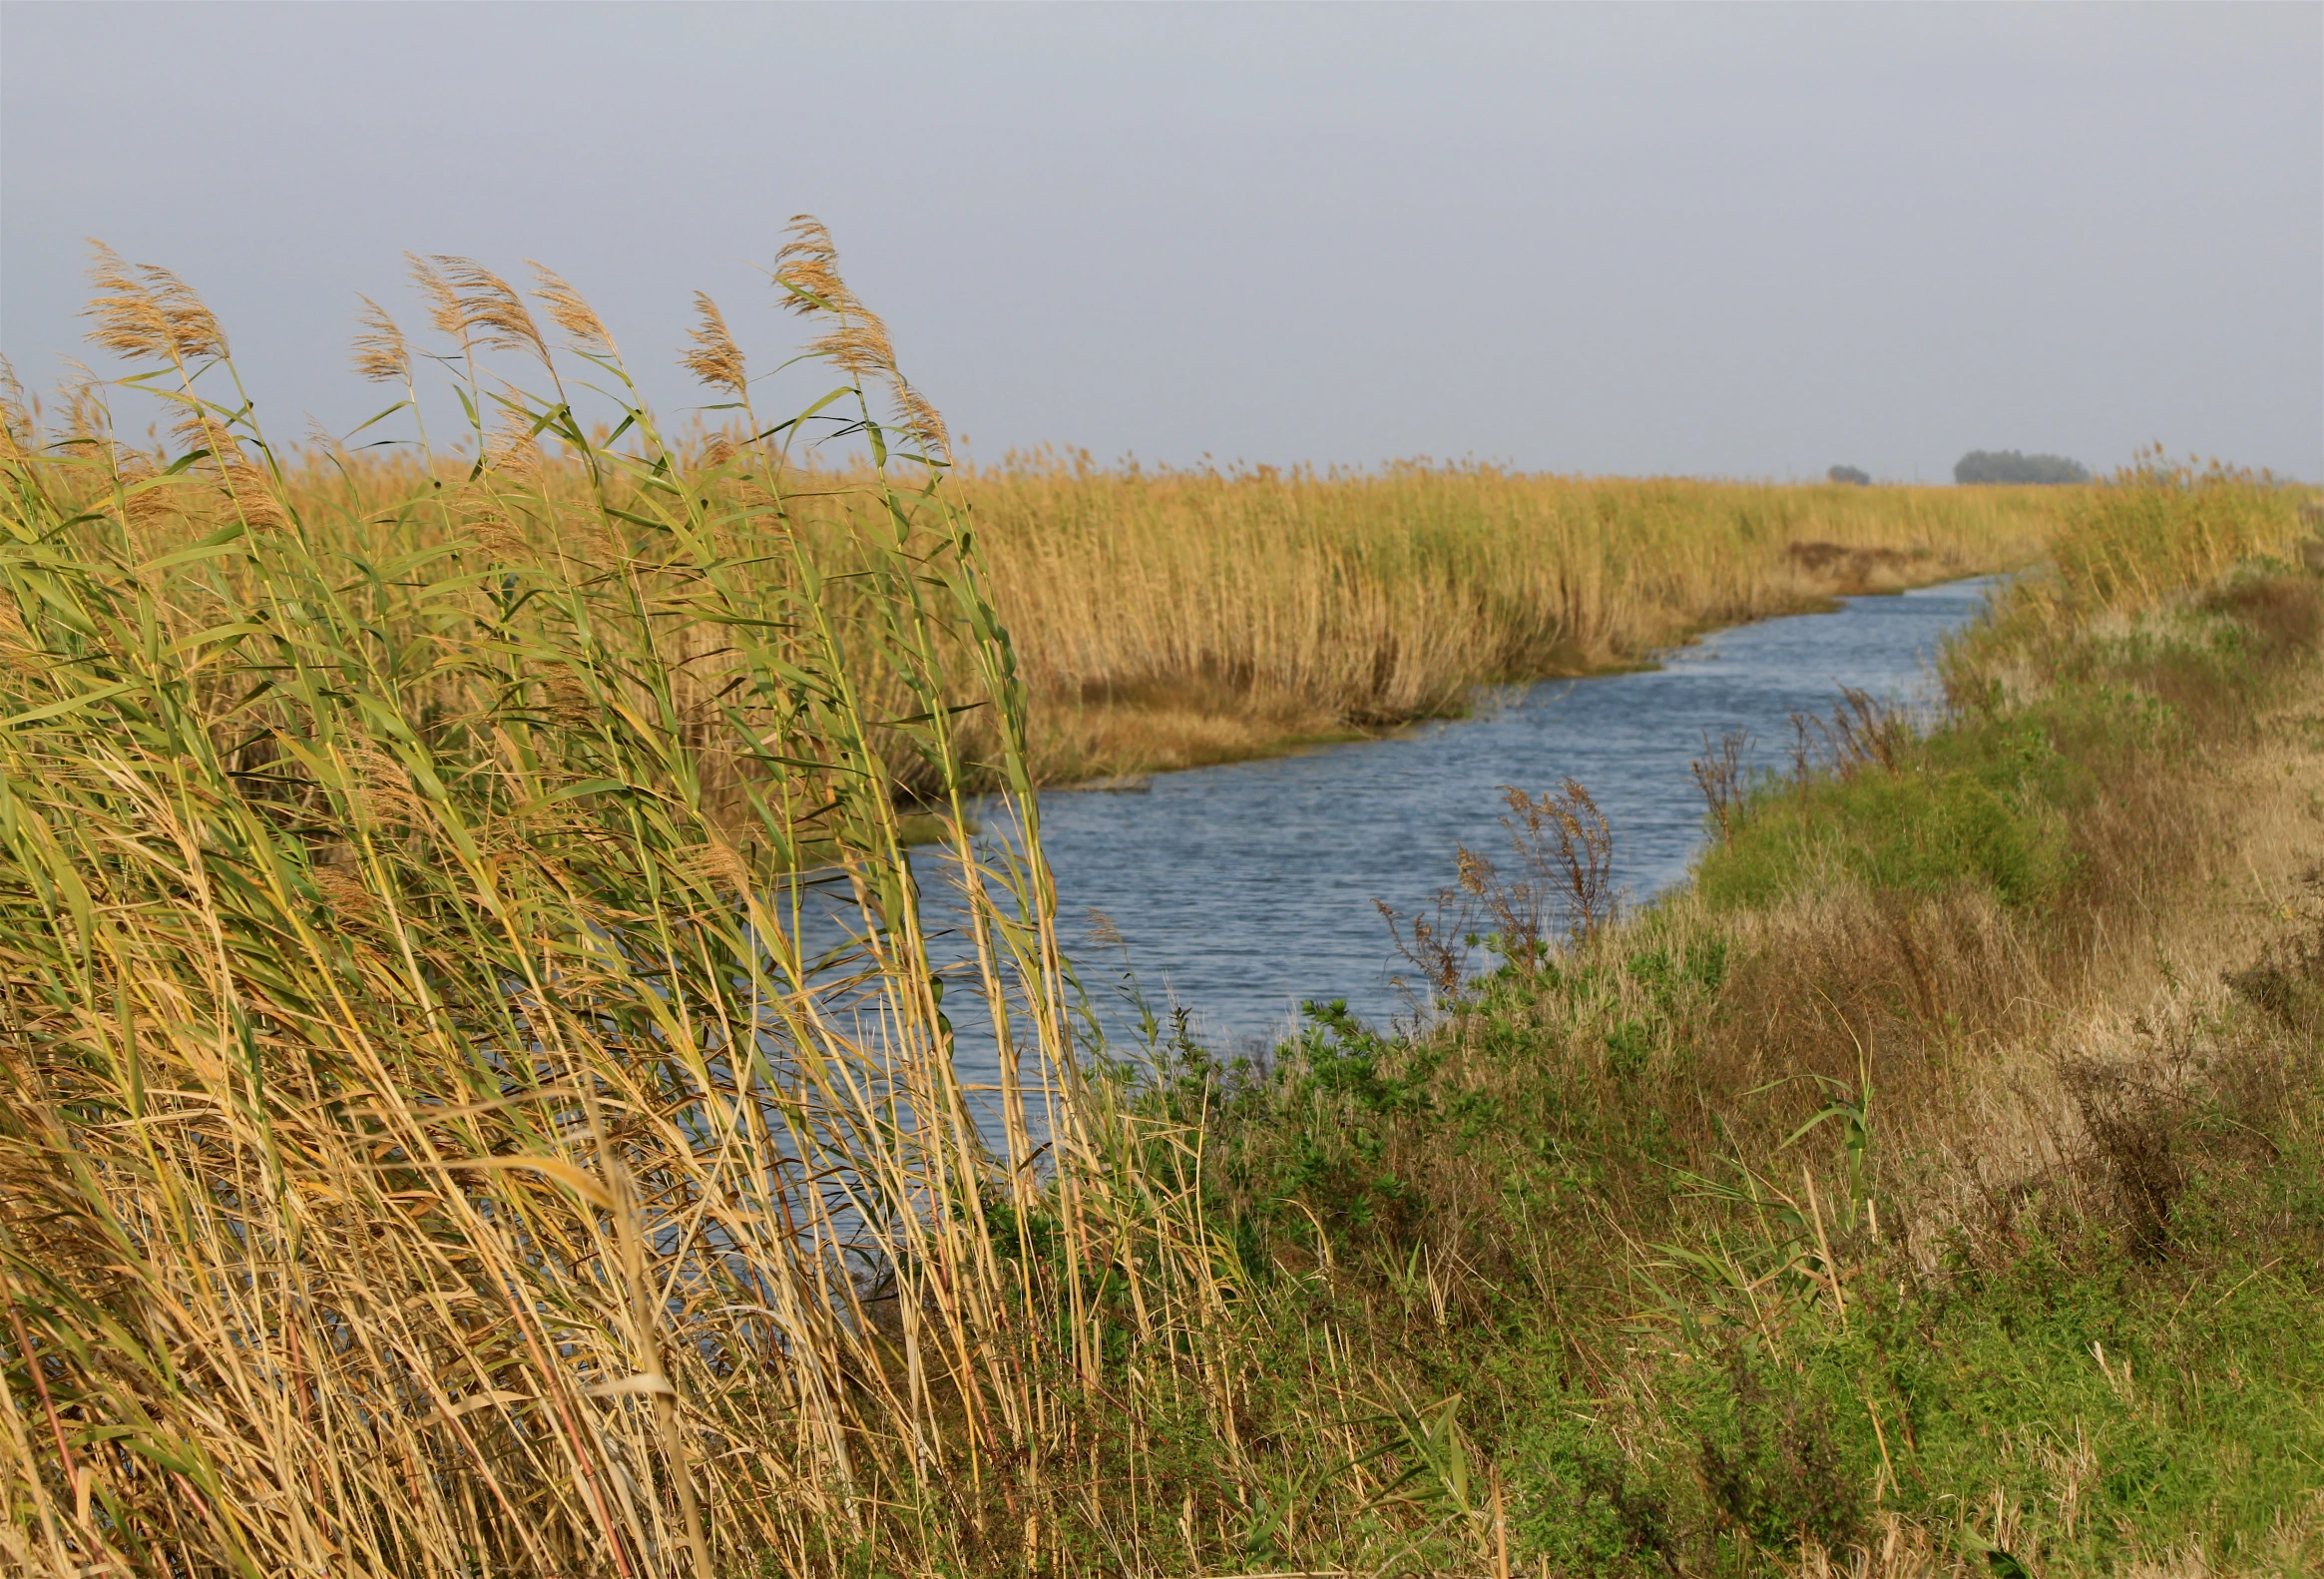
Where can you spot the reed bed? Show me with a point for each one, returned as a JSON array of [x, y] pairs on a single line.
[[1169, 617], [432, 1139]]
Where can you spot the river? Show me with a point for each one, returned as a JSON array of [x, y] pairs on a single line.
[[1238, 891]]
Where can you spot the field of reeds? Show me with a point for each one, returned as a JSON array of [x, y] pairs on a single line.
[[1165, 619], [477, 1097], [433, 1136]]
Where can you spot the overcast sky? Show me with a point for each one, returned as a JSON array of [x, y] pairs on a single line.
[[1712, 239]]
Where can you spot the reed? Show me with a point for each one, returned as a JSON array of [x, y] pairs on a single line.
[[478, 1094], [1165, 618], [436, 1139]]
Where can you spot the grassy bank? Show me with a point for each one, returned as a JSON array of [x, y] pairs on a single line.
[[432, 1140], [1937, 1178]]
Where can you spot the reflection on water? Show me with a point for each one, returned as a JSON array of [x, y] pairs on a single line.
[[1238, 891]]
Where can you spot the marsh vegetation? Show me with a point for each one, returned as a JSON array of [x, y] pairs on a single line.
[[430, 1143]]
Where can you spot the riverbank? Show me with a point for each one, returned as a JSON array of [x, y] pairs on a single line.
[[1237, 891], [1930, 1189]]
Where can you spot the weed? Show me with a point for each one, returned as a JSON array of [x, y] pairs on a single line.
[[1777, 1475]]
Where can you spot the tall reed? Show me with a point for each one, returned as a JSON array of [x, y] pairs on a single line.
[[1166, 616], [2162, 527], [436, 1139]]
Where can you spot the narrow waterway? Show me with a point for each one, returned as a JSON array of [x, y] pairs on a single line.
[[1240, 891]]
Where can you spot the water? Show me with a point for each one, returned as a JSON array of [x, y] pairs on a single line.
[[1240, 891]]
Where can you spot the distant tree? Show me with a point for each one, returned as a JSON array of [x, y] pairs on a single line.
[[2007, 465], [1855, 474]]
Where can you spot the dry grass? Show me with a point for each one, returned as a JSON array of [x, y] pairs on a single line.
[[431, 1138], [1166, 618]]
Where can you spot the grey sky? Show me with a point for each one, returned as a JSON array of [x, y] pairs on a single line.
[[1711, 240]]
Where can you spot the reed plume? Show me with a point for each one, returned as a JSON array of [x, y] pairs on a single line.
[[88, 421], [443, 301], [380, 352], [715, 358], [196, 428], [570, 313], [807, 266], [514, 449], [921, 421], [470, 302], [148, 312], [17, 429]]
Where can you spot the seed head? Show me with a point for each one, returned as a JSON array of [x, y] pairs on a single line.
[[380, 353], [443, 301], [88, 420], [496, 535], [17, 439], [196, 429], [380, 783], [808, 268], [715, 359], [574, 316], [469, 301], [515, 452], [922, 421], [251, 493], [718, 864], [147, 311], [146, 496]]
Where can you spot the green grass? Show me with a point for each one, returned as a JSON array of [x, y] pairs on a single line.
[[1995, 1387], [1922, 833]]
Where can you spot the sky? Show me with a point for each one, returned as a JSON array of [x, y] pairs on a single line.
[[1709, 240]]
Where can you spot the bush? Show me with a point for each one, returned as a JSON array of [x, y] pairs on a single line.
[[1851, 474], [2007, 465]]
